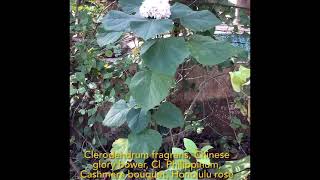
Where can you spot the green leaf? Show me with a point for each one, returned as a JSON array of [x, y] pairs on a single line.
[[120, 146], [241, 106], [206, 148], [116, 116], [72, 90], [235, 166], [147, 141], [239, 137], [112, 92], [176, 150], [177, 161], [194, 20], [235, 123], [200, 20], [91, 120], [190, 146], [208, 51], [149, 28], [132, 102], [165, 55], [92, 111], [82, 111], [107, 76], [130, 6], [149, 88], [138, 120], [80, 76], [179, 10], [82, 90], [143, 27], [239, 78], [117, 21], [108, 53], [168, 115], [104, 39], [99, 118], [203, 158], [146, 45]]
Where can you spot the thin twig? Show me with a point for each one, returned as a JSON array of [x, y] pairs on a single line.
[[77, 11], [190, 68], [192, 2], [100, 13], [182, 77], [85, 139], [72, 117], [249, 109], [197, 96], [214, 130], [75, 168], [173, 145], [180, 134], [95, 130]]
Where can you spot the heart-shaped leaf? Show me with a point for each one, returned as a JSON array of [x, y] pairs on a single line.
[[149, 88]]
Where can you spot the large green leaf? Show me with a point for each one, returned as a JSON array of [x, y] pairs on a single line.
[[130, 6], [200, 21], [108, 38], [149, 88], [208, 51], [146, 45], [117, 21], [149, 28], [142, 27], [138, 119], [147, 141], [168, 115], [194, 20], [116, 116], [165, 55], [120, 146], [179, 10]]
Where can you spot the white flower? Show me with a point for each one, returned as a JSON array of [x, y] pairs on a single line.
[[159, 9]]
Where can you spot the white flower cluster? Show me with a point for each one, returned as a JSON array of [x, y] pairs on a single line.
[[159, 9]]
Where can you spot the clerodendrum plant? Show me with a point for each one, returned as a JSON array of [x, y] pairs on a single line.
[[162, 51]]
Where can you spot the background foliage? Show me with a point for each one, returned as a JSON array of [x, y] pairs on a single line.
[[120, 95]]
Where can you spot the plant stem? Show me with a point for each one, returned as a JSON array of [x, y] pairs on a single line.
[[173, 145], [75, 168]]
